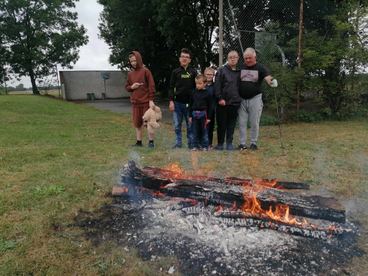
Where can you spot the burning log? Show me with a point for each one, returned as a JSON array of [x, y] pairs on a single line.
[[249, 195], [168, 175]]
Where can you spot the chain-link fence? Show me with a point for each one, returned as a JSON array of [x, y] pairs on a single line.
[[251, 23]]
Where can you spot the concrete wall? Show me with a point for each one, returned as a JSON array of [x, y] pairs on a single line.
[[76, 84]]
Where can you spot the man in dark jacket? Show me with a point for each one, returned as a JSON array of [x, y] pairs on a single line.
[[181, 87], [227, 92]]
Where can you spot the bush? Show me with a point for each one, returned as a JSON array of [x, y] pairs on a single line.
[[309, 117], [268, 120]]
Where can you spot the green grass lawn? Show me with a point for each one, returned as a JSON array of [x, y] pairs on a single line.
[[58, 157]]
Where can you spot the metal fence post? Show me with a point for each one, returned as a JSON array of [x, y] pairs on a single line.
[[221, 32]]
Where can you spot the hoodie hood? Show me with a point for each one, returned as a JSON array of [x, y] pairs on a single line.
[[139, 60], [229, 67]]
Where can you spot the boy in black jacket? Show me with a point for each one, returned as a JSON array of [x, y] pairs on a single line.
[[200, 110], [181, 87]]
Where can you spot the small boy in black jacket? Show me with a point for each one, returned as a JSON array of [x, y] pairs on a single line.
[[200, 110]]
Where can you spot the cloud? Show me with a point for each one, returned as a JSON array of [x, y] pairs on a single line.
[[94, 55]]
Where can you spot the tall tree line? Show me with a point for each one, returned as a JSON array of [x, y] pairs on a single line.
[[334, 45], [159, 29]]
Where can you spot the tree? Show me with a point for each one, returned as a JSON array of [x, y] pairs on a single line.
[[335, 48], [130, 25], [335, 52], [3, 58], [191, 24], [40, 34], [159, 29]]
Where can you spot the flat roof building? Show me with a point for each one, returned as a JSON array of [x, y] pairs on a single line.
[[93, 84]]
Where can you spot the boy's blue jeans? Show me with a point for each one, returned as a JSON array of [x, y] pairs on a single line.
[[200, 131], [182, 112]]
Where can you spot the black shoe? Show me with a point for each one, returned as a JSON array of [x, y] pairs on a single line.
[[229, 147], [242, 147], [219, 147], [138, 144], [151, 144], [177, 146], [253, 147]]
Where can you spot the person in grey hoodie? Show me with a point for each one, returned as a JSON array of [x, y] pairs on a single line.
[[227, 93]]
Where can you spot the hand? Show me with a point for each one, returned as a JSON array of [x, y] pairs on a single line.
[[136, 85], [222, 102], [171, 106], [151, 104], [208, 121], [190, 120], [274, 83]]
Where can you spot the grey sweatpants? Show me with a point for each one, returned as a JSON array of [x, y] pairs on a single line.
[[250, 109]]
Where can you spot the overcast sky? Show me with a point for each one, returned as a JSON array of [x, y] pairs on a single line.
[[94, 55]]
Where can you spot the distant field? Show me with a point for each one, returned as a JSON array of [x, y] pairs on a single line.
[[57, 158], [52, 92]]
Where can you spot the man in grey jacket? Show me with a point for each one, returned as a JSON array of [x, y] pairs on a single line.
[[227, 93]]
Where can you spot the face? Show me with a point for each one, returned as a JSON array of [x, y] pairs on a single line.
[[209, 75], [200, 84], [133, 61], [232, 58], [249, 59], [184, 59]]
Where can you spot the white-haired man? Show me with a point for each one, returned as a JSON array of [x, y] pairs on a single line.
[[251, 76]]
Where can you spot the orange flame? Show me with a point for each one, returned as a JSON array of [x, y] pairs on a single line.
[[158, 194], [266, 182], [175, 170], [280, 212]]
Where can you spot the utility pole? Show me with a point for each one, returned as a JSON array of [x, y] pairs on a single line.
[[221, 32], [5, 73], [299, 59], [58, 80]]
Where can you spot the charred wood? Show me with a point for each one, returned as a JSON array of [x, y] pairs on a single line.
[[213, 191], [167, 175]]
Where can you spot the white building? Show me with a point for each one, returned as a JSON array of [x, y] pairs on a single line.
[[93, 84]]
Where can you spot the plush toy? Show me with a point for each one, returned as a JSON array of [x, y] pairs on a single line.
[[151, 118]]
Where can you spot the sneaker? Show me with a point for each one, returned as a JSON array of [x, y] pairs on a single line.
[[229, 147], [177, 146], [253, 147], [194, 149], [219, 147], [242, 147], [204, 149], [151, 144]]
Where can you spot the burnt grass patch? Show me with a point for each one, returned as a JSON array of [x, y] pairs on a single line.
[[157, 228]]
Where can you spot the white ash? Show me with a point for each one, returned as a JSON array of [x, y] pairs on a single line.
[[204, 228]]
